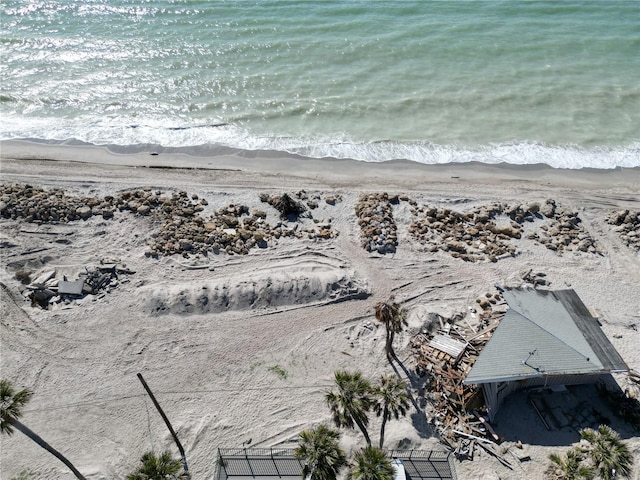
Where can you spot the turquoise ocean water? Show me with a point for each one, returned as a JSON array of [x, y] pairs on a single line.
[[554, 82]]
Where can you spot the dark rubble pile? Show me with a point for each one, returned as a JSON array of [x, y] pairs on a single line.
[[289, 207], [627, 225], [183, 229], [48, 290], [379, 232], [35, 204], [477, 235], [469, 236], [563, 231]]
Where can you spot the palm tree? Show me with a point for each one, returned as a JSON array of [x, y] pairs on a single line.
[[321, 452], [569, 467], [163, 467], [393, 317], [352, 401], [391, 400], [610, 456], [11, 403], [371, 463]]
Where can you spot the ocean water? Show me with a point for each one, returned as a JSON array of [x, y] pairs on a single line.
[[555, 82]]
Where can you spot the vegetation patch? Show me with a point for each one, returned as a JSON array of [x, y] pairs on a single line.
[[279, 371]]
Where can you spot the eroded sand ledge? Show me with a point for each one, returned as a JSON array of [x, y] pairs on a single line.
[[210, 364]]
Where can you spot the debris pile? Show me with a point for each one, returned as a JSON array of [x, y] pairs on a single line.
[[447, 356], [34, 204], [379, 232], [627, 225], [48, 290], [333, 199], [563, 231], [487, 232], [193, 234], [470, 236], [183, 229], [537, 279], [289, 207], [232, 229]]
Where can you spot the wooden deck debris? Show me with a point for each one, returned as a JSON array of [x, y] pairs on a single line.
[[455, 409], [449, 345]]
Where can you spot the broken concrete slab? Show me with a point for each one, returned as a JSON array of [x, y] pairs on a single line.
[[70, 288], [43, 295], [44, 277]]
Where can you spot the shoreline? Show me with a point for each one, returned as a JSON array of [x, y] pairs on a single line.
[[332, 170]]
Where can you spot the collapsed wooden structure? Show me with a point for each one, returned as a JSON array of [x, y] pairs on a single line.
[[526, 338], [447, 358]]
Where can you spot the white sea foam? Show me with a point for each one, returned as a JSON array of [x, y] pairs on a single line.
[[102, 132]]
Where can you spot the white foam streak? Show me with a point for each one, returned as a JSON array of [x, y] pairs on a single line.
[[157, 132], [517, 153]]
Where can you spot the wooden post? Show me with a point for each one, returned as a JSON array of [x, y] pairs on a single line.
[[166, 421]]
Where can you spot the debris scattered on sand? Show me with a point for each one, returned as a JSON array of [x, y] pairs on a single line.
[[379, 232], [184, 231], [48, 290], [627, 225], [487, 232]]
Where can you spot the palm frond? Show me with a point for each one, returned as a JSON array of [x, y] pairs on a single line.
[[371, 463], [609, 455], [11, 403], [391, 396], [158, 467], [320, 450]]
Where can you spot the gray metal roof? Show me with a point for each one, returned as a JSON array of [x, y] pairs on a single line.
[[545, 333]]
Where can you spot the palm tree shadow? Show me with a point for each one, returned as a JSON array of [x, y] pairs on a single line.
[[418, 417]]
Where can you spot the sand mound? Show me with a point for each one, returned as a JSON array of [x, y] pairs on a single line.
[[291, 281]]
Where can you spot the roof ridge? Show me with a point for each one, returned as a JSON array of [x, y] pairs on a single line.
[[588, 359]]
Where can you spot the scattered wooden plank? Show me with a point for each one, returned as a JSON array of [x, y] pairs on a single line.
[[487, 425], [467, 435], [483, 331], [495, 454]]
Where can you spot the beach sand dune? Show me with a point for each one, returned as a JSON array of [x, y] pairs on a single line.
[[240, 347]]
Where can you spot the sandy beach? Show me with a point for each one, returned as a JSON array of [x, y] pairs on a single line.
[[241, 348]]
